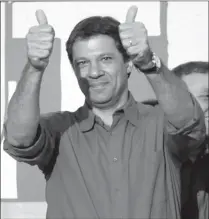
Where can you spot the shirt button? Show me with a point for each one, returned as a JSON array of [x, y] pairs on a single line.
[[115, 159]]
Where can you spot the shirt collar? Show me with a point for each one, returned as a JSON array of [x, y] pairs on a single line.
[[86, 117], [131, 110]]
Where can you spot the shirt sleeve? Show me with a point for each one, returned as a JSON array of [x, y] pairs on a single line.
[[44, 150], [186, 142]]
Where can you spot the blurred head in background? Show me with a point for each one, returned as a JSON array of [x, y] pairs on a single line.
[[195, 75]]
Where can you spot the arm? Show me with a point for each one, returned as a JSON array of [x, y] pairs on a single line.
[[173, 96], [25, 134], [43, 150], [184, 121], [23, 111]]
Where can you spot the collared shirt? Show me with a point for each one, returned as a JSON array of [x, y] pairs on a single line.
[[128, 170]]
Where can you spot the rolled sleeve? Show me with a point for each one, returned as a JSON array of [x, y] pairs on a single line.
[[187, 141], [38, 153], [45, 145]]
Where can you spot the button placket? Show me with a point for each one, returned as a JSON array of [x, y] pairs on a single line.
[[115, 159], [115, 147]]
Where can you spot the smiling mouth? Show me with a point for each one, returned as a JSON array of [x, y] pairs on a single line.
[[98, 85]]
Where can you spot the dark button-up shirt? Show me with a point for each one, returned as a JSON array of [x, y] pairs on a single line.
[[195, 187], [128, 170]]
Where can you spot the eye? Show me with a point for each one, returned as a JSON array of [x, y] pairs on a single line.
[[106, 58], [81, 63]]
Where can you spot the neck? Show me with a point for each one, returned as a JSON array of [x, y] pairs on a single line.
[[106, 114]]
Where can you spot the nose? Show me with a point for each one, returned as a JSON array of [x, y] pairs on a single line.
[[95, 71]]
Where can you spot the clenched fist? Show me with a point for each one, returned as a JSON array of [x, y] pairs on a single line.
[[40, 41], [134, 38]]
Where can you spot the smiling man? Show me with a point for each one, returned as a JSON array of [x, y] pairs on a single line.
[[105, 88], [113, 157]]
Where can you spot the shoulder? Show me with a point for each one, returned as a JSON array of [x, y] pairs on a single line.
[[56, 121], [62, 120], [56, 116]]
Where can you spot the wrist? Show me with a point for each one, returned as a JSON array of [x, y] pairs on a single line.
[[152, 64], [29, 68]]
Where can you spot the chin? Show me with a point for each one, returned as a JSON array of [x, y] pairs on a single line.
[[102, 102], [100, 97]]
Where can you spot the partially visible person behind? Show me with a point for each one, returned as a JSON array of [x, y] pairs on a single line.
[[195, 175]]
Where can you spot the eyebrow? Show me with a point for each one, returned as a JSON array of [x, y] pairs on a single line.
[[100, 55], [79, 58], [109, 54]]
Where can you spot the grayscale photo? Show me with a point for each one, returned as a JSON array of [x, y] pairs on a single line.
[[104, 110]]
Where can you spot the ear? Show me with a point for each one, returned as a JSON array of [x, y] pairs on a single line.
[[129, 67]]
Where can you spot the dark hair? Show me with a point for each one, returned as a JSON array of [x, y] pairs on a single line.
[[93, 26], [191, 67]]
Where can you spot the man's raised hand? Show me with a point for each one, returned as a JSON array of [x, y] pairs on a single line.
[[134, 38], [40, 41]]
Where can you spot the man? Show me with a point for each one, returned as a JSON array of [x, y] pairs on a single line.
[[195, 176], [113, 157]]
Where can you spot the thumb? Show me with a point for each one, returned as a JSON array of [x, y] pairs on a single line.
[[131, 14], [41, 17]]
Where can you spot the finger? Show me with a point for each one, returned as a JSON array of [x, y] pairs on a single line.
[[41, 17], [38, 53], [39, 37], [133, 50], [40, 45], [35, 59], [137, 50], [126, 34], [131, 14], [129, 42], [43, 28]]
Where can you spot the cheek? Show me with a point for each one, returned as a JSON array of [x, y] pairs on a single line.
[[83, 72], [122, 79], [113, 72]]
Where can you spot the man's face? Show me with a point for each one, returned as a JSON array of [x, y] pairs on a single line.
[[100, 69], [198, 86]]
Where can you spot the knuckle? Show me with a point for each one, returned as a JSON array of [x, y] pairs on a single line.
[[32, 29], [30, 54], [126, 43], [121, 28], [122, 34], [51, 29], [44, 52], [51, 37], [49, 45], [29, 36]]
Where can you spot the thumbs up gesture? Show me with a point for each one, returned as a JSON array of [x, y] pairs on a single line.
[[134, 38], [40, 41]]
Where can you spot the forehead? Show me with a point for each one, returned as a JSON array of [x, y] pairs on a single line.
[[94, 45], [197, 82]]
